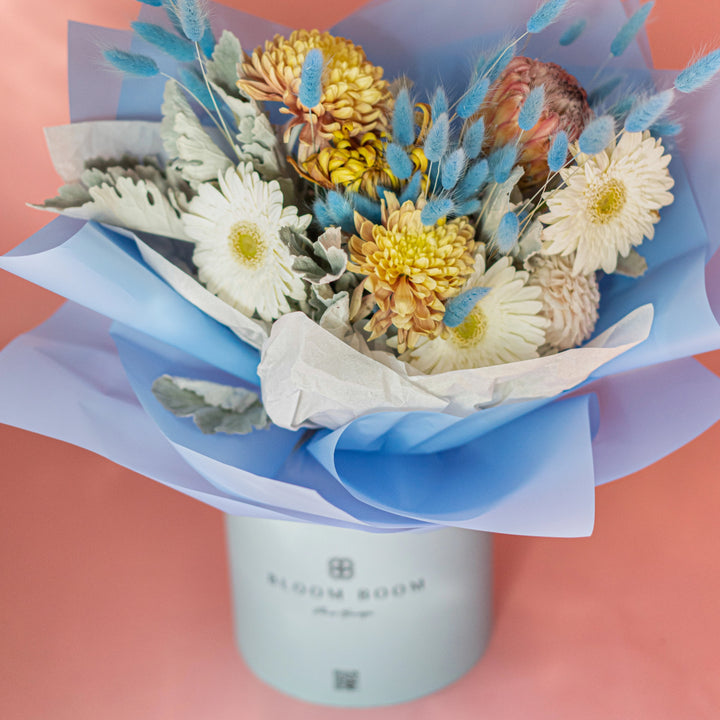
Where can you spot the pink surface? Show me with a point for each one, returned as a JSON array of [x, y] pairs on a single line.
[[124, 612]]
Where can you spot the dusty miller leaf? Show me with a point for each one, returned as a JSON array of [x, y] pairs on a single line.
[[633, 265], [319, 262], [136, 205], [192, 151], [222, 69], [257, 141], [199, 159], [213, 407], [330, 310], [68, 196], [530, 241], [137, 197], [174, 103]]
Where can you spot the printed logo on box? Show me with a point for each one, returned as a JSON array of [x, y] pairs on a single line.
[[341, 568]]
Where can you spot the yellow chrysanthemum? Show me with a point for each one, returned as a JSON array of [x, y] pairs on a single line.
[[357, 163], [411, 268], [354, 95]]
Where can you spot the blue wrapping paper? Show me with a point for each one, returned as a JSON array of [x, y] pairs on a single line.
[[524, 468]]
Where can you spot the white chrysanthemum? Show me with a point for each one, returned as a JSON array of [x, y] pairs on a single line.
[[609, 203], [504, 325], [238, 251], [570, 302]]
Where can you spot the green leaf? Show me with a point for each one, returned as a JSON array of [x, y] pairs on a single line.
[[319, 262], [199, 159], [124, 198], [174, 104], [192, 151], [329, 309], [68, 196], [213, 407], [633, 265], [222, 69]]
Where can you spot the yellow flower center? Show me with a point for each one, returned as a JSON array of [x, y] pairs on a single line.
[[406, 249], [471, 330], [606, 200], [247, 243]]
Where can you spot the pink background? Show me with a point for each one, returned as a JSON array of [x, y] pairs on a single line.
[[114, 599]]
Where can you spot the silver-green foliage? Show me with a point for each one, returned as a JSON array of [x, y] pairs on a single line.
[[128, 192], [315, 261], [214, 407]]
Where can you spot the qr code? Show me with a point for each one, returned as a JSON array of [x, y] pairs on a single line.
[[346, 679]]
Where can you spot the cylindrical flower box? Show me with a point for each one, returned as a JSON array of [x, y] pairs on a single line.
[[356, 619]]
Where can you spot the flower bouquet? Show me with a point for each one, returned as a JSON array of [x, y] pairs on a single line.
[[361, 282]]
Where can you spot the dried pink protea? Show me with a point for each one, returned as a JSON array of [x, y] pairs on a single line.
[[566, 108]]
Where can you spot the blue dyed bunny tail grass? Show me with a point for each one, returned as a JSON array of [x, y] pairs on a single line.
[[630, 29], [131, 63], [573, 32], [665, 129], [437, 139], [399, 161], [506, 235], [412, 189], [459, 307], [170, 10], [369, 209], [207, 41], [597, 135], [532, 108], [468, 207], [435, 210], [193, 18], [472, 99], [649, 111], [321, 213], [604, 90], [310, 91], [197, 87], [178, 47], [475, 177], [403, 120], [433, 177], [439, 104], [340, 210], [473, 138], [502, 162], [698, 74], [492, 67], [622, 107], [152, 3], [545, 15], [452, 168], [557, 155]]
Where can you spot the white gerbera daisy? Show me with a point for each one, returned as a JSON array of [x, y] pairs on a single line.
[[609, 203], [238, 251], [503, 326]]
